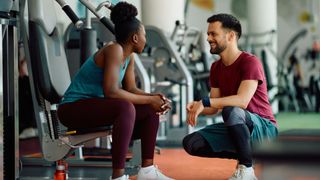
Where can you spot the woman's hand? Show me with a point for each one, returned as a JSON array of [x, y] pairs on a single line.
[[163, 97], [156, 102], [165, 106]]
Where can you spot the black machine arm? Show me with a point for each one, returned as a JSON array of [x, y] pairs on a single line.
[[72, 15], [103, 19]]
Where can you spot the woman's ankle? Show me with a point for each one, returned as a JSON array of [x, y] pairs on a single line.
[[117, 173], [147, 162]]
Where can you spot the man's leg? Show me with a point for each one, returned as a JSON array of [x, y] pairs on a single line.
[[196, 145], [239, 127]]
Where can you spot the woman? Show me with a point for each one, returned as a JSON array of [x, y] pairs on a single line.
[[104, 93]]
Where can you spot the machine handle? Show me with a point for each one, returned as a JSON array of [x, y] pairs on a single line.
[[106, 4], [74, 18], [177, 24], [107, 24], [105, 21], [72, 15]]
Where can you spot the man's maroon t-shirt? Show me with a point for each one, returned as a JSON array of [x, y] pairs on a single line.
[[228, 79]]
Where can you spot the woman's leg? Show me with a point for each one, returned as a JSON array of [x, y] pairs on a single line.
[[97, 112], [146, 128]]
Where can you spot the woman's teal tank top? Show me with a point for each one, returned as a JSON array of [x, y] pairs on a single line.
[[88, 82]]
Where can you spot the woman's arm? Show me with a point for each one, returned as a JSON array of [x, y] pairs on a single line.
[[129, 84], [113, 57], [129, 81]]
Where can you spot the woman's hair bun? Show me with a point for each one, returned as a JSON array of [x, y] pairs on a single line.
[[123, 12]]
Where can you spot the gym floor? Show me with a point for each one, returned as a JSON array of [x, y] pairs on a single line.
[[174, 162]]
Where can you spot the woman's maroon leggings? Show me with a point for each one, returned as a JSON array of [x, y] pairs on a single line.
[[128, 120]]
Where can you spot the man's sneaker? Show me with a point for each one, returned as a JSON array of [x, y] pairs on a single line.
[[124, 177], [243, 173], [153, 173]]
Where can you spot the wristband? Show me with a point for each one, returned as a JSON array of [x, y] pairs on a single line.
[[206, 102]]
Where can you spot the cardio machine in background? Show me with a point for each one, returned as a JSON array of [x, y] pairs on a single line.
[[302, 64], [190, 43], [295, 153], [280, 88]]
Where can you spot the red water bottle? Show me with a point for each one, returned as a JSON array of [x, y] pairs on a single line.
[[60, 173]]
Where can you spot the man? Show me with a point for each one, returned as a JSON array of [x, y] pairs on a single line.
[[238, 88]]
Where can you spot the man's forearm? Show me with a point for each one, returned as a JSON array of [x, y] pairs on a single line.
[[209, 111], [234, 100]]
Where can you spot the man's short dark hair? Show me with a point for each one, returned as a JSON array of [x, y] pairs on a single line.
[[228, 21]]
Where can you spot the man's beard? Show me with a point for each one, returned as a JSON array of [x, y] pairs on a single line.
[[218, 49]]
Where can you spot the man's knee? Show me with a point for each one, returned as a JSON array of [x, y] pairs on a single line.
[[228, 110], [186, 144], [233, 115], [193, 143]]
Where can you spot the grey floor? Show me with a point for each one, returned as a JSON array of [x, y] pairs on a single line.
[[75, 173]]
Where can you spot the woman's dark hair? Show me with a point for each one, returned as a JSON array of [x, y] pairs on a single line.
[[123, 16], [228, 21]]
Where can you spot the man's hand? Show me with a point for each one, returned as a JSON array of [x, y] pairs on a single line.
[[194, 109]]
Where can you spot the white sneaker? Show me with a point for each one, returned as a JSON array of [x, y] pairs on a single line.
[[124, 177], [153, 173], [243, 173]]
